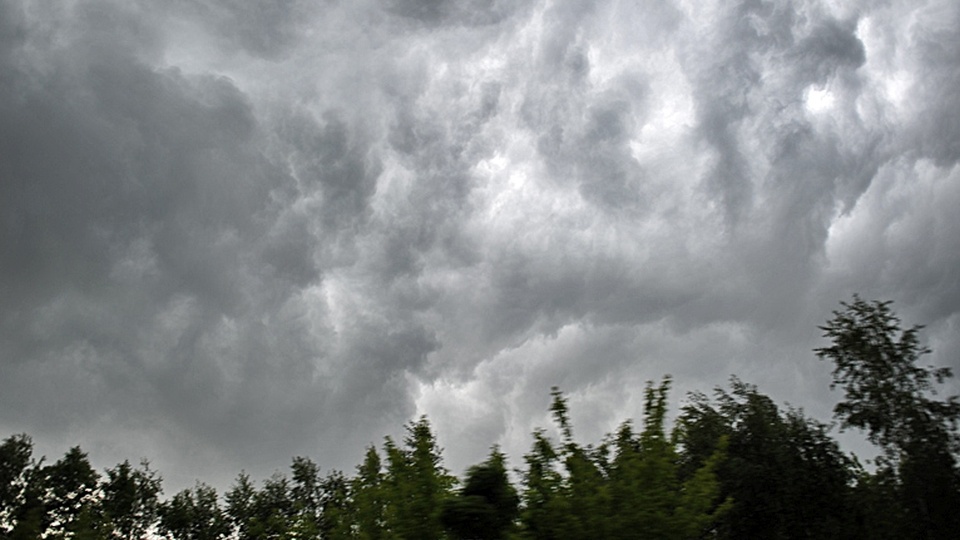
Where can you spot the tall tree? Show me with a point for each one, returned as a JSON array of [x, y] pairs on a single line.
[[417, 484], [307, 494], [544, 511], [584, 489], [369, 498], [892, 398], [240, 506]]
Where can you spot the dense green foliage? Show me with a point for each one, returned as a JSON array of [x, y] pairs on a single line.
[[735, 465]]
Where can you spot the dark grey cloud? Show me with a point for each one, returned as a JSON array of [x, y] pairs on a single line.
[[236, 233]]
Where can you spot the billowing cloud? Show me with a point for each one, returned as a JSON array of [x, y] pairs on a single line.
[[231, 234]]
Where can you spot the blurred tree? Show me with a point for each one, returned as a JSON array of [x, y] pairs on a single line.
[[335, 521], [369, 498], [652, 496], [584, 490], [890, 397], [639, 493], [785, 476], [486, 505], [307, 494], [416, 484], [544, 509]]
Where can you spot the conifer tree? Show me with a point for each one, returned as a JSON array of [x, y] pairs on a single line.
[[416, 483]]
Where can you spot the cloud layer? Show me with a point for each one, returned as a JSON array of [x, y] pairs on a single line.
[[234, 233]]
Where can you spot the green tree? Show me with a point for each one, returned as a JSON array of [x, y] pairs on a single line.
[[584, 490], [486, 505], [891, 398], [652, 498], [544, 511], [785, 477], [638, 493], [274, 512], [416, 484], [369, 498], [656, 469]]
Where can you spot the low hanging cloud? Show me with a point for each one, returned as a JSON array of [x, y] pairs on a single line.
[[234, 234]]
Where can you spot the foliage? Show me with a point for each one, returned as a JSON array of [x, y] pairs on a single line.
[[416, 484], [193, 514], [130, 500], [72, 502], [890, 397], [784, 476], [17, 469], [885, 392], [639, 493], [486, 505], [369, 498]]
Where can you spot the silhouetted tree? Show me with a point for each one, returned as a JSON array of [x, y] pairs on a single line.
[[785, 476], [193, 514], [130, 500], [72, 504], [890, 397], [240, 506], [16, 472], [486, 505], [307, 495]]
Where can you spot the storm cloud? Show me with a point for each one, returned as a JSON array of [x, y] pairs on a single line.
[[235, 233]]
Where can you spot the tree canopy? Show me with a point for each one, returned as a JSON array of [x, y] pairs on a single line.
[[892, 398]]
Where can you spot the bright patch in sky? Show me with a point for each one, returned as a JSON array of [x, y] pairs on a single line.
[[818, 100]]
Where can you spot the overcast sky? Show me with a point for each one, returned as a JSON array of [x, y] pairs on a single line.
[[236, 232]]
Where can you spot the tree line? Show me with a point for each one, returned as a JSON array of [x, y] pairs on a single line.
[[734, 465]]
